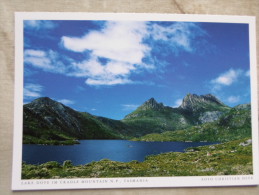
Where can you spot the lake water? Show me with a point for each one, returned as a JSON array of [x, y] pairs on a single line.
[[95, 150]]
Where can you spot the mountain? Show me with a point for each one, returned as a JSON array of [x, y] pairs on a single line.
[[154, 117], [203, 108], [234, 124], [196, 103], [45, 119]]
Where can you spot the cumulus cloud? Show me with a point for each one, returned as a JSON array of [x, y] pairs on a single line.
[[46, 60], [32, 90], [39, 24], [122, 44], [118, 41], [114, 53], [179, 35], [228, 77]]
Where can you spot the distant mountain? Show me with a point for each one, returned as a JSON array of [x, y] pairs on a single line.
[[154, 117], [196, 103], [231, 125], [203, 108], [49, 122]]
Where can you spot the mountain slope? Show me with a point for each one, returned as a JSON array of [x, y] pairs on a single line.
[[46, 119], [232, 125], [203, 108], [154, 117]]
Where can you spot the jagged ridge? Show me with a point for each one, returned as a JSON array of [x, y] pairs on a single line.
[[194, 103]]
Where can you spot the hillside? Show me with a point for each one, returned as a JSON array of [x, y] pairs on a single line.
[[232, 125], [154, 117], [46, 120]]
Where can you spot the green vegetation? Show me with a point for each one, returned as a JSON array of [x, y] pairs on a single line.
[[231, 158], [233, 125], [156, 121], [42, 141], [50, 122], [199, 118]]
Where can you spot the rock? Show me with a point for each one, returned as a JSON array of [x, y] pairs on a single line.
[[243, 107], [193, 102], [246, 143], [152, 104], [210, 116]]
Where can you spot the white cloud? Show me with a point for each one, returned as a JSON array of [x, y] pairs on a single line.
[[125, 47], [66, 101], [233, 99], [112, 73], [107, 81], [47, 60], [32, 90], [119, 41], [227, 78], [39, 24], [129, 107], [178, 102], [180, 35]]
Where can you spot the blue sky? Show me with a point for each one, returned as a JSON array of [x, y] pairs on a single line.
[[109, 68]]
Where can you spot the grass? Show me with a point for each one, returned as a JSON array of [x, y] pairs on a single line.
[[231, 158]]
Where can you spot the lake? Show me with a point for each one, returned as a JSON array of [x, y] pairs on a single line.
[[95, 150]]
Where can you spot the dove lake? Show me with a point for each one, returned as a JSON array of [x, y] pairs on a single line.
[[95, 150]]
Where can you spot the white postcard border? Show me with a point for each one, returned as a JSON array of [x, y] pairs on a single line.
[[139, 182]]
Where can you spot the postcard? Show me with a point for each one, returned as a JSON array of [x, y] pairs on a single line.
[[125, 100]]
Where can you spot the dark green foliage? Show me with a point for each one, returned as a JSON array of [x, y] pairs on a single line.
[[49, 122], [67, 164], [231, 158]]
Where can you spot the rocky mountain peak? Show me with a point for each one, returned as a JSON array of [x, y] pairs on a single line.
[[45, 102], [42, 100], [151, 104], [193, 102]]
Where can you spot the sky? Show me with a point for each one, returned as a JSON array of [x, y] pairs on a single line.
[[109, 68]]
